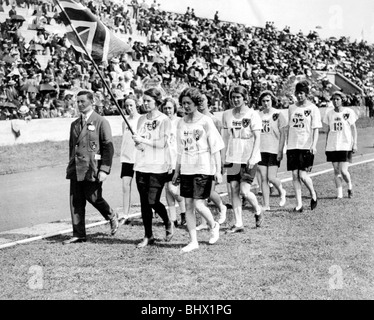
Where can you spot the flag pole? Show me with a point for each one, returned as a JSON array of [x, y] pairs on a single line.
[[95, 66]]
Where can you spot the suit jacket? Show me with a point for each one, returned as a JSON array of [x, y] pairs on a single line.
[[90, 149]]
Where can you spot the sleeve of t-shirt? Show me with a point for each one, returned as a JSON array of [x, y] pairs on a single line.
[[256, 123], [316, 118], [283, 120], [218, 124], [291, 109], [224, 124], [165, 128], [353, 117], [215, 140], [326, 117], [179, 138]]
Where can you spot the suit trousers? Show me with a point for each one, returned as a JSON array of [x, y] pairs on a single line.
[[80, 193]]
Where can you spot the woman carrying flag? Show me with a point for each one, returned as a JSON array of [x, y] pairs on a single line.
[[152, 163]]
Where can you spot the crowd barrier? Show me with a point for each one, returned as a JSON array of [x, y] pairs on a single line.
[[39, 130], [58, 129]]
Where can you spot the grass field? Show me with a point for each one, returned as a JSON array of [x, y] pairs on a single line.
[[324, 254]]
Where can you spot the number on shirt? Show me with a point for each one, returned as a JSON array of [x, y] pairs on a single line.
[[338, 126], [265, 127], [298, 123]]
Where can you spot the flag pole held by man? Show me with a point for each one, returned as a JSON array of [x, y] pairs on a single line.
[[90, 160], [99, 41], [92, 38], [90, 144]]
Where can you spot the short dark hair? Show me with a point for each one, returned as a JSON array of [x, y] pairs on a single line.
[[155, 94], [302, 86], [194, 94], [271, 95], [172, 101], [241, 90], [87, 93]]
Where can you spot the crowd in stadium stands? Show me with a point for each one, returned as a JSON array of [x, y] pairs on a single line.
[[178, 50]]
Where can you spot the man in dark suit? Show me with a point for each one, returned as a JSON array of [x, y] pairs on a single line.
[[13, 11], [90, 159]]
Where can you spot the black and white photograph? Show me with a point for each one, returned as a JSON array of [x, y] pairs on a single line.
[[186, 156]]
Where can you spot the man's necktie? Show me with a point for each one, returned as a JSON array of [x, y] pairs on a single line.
[[83, 122]]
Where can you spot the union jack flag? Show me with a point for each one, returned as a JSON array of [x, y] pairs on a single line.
[[99, 41]]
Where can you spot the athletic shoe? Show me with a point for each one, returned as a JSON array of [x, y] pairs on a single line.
[[259, 218], [222, 215], [191, 246], [313, 203], [202, 226], [145, 242], [114, 224], [235, 229], [283, 198], [215, 234], [183, 219], [350, 194], [74, 240]]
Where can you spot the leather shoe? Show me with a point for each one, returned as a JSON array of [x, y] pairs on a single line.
[[235, 229], [74, 240], [114, 225], [259, 219], [313, 204], [145, 242]]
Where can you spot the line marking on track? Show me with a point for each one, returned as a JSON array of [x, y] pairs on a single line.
[[134, 215]]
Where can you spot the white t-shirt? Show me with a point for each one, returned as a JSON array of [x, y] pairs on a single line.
[[128, 145], [197, 142], [241, 135], [272, 123], [150, 159], [173, 141], [302, 121], [340, 135]]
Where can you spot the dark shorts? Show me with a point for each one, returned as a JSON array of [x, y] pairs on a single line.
[[170, 176], [196, 186], [339, 156], [269, 160], [239, 172], [150, 184], [127, 170], [300, 160]]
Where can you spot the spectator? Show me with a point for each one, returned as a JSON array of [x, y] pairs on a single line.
[[12, 11]]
